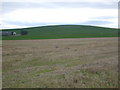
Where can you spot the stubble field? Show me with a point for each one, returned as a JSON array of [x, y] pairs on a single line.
[[60, 63]]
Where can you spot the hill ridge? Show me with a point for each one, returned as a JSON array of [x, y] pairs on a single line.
[[63, 31], [60, 25]]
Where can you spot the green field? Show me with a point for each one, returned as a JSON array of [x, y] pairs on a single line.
[[62, 31]]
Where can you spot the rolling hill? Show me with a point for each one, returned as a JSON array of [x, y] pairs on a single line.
[[62, 31]]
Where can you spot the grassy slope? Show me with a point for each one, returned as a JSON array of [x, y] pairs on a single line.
[[64, 31]]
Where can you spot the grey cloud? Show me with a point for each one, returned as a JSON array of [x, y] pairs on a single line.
[[87, 4], [10, 6], [97, 22]]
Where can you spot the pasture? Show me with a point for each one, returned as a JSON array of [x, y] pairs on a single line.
[[60, 63], [62, 31]]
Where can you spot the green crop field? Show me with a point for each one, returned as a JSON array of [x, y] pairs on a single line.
[[62, 31]]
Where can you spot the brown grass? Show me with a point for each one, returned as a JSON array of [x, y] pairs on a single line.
[[76, 63]]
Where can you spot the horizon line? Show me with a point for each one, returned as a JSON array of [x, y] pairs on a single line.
[[57, 25]]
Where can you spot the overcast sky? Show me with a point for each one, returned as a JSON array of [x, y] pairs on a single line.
[[31, 13]]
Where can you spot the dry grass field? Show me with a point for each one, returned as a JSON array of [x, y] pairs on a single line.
[[60, 63]]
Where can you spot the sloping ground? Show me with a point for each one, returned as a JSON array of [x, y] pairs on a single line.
[[63, 31], [63, 63]]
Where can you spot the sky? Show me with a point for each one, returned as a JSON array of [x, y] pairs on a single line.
[[32, 13]]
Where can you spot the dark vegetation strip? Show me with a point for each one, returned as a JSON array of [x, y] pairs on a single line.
[[62, 31]]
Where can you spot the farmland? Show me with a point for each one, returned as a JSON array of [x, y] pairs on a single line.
[[60, 63], [62, 31]]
